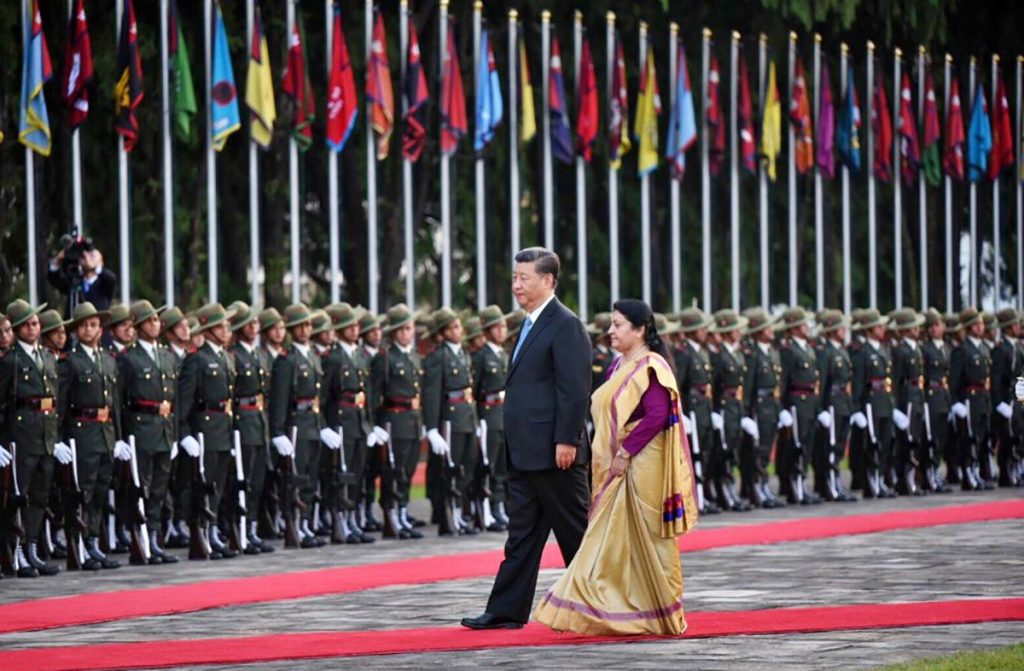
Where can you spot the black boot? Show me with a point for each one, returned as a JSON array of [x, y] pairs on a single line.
[[157, 555], [92, 548], [32, 555], [24, 569], [255, 540], [217, 544]]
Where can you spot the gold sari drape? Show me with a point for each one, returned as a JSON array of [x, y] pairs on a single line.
[[626, 577]]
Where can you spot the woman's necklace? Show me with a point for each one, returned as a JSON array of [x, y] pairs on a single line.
[[643, 350]]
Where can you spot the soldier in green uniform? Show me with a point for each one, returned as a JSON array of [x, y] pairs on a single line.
[[52, 332], [836, 373], [395, 403], [937, 401], [800, 387], [762, 386], [693, 376], [448, 406], [729, 419], [970, 384], [490, 367], [28, 409], [474, 339], [370, 336], [604, 355], [272, 336], [873, 405], [175, 330], [121, 328], [858, 435], [908, 414], [272, 333], [176, 333], [1007, 366]]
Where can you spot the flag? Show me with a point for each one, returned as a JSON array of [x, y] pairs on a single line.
[[78, 69], [618, 110], [414, 137], [223, 94], [1002, 134], [953, 150], [558, 107], [682, 124], [454, 123], [848, 127], [586, 105], [378, 89], [296, 85], [648, 107], [183, 94], [527, 112], [771, 123], [715, 120], [342, 102], [748, 144], [826, 132], [979, 138], [881, 124], [128, 91], [259, 85], [489, 104], [37, 69], [910, 150], [930, 146], [800, 117]]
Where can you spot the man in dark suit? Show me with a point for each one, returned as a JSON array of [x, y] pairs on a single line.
[[547, 393], [95, 283]]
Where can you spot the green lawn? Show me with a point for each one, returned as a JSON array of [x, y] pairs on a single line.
[[1010, 658]]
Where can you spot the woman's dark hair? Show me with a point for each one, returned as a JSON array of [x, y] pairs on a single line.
[[640, 315]]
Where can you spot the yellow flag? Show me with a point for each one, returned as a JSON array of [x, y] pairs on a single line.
[[527, 114], [648, 107], [771, 123], [259, 89]]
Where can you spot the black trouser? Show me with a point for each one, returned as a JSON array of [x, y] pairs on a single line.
[[35, 474], [180, 487], [539, 502], [371, 471], [877, 453], [464, 454], [154, 475], [219, 469], [499, 465], [307, 473], [355, 462], [829, 455], [396, 481], [95, 467], [256, 463]]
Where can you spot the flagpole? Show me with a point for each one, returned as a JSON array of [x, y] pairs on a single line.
[[446, 204], [211, 158], [1019, 187], [674, 223], [897, 183], [254, 186], [123, 205], [549, 206], [371, 172], [793, 261], [78, 220], [762, 176], [973, 266], [870, 164], [168, 156], [922, 197], [407, 204], [30, 183], [333, 221], [645, 195], [481, 231], [997, 255], [613, 173], [734, 173], [581, 184], [948, 189], [705, 174], [844, 172], [819, 223], [513, 131], [293, 180]]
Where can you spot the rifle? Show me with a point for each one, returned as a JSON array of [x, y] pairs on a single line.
[[135, 500], [452, 495], [798, 458], [481, 485], [698, 468], [874, 474], [201, 515], [341, 479], [237, 535], [11, 503], [287, 494], [71, 502], [833, 489], [391, 471]]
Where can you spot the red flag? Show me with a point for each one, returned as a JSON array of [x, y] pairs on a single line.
[[881, 123], [748, 144], [296, 85], [128, 90], [78, 69], [378, 89], [715, 120], [454, 123], [618, 110], [342, 105], [586, 105], [910, 151], [414, 137], [953, 151], [1001, 157], [800, 117]]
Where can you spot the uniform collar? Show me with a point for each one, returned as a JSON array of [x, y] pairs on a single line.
[[497, 349], [217, 349], [454, 347], [405, 350], [800, 342], [302, 349], [372, 351], [29, 349], [350, 348], [911, 343], [247, 347], [874, 343], [150, 348], [941, 344], [765, 347]]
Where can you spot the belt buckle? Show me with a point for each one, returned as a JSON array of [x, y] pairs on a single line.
[[777, 393], [988, 384], [849, 389], [46, 404], [315, 405], [920, 381], [165, 408], [229, 407], [888, 385], [103, 414], [468, 392], [360, 399], [707, 391], [739, 393], [415, 403], [259, 402]]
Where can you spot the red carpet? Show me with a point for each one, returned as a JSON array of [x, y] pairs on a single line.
[[153, 654], [106, 606]]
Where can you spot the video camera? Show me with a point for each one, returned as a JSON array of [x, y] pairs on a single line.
[[74, 247]]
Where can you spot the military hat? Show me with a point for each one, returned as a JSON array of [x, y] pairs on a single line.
[[856, 317], [952, 320], [171, 315], [398, 315], [368, 322], [141, 311], [515, 321], [321, 322], [268, 317], [119, 313], [193, 325], [970, 316], [50, 320], [490, 316], [342, 315], [727, 320], [602, 322], [692, 319], [664, 325], [932, 317], [19, 311], [904, 319], [759, 319], [243, 315], [86, 310], [871, 318], [793, 317], [474, 329], [296, 314], [1007, 317], [442, 318], [211, 315], [831, 320], [990, 320]]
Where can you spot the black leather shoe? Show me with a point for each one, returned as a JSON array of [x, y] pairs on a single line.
[[491, 621], [308, 542], [27, 572], [91, 564]]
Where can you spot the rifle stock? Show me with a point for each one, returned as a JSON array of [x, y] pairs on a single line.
[[286, 470], [71, 502], [237, 537]]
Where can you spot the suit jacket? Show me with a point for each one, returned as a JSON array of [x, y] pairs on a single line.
[[100, 293], [547, 391]]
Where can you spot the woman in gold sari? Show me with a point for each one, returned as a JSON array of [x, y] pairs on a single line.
[[626, 577]]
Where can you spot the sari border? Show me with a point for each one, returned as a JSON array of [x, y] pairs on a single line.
[[658, 613]]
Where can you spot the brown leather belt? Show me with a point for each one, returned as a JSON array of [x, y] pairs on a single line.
[[161, 408], [979, 387], [41, 404], [881, 384], [735, 393], [224, 406], [100, 415]]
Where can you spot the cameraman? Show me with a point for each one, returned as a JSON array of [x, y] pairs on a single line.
[[87, 278]]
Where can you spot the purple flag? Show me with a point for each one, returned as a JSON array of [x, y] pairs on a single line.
[[826, 126]]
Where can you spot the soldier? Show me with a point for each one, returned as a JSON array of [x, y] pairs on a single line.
[[762, 385], [89, 407], [52, 332], [6, 334], [448, 405], [908, 415], [175, 330], [604, 355], [28, 378], [323, 335], [272, 334], [800, 388], [873, 405], [970, 385], [954, 339], [693, 375], [370, 336], [729, 419], [1007, 366], [937, 401], [836, 372], [176, 333], [371, 333], [490, 367], [121, 329], [395, 374], [857, 434]]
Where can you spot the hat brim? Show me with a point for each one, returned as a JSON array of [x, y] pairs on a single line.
[[881, 321], [843, 323], [54, 327], [34, 311], [918, 321], [220, 319], [784, 325], [389, 327], [104, 316], [248, 320], [740, 325], [308, 317], [707, 323], [152, 312]]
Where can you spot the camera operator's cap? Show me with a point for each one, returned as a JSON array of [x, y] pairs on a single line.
[[268, 318], [664, 325], [727, 320], [905, 319], [491, 316], [85, 311], [171, 316], [872, 318], [296, 314], [368, 322], [442, 318], [211, 315], [243, 315], [831, 321], [141, 311], [321, 322], [50, 320], [952, 320], [1004, 318], [119, 313], [473, 328], [398, 315], [693, 319], [793, 317], [933, 317], [759, 320], [19, 311], [602, 322], [342, 315]]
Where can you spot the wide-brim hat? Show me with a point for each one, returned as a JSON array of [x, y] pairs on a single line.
[[491, 315], [664, 325], [85, 311], [142, 310], [296, 314], [398, 315], [933, 317], [171, 316], [758, 319], [990, 320], [952, 320], [368, 322], [602, 322], [441, 319], [831, 321], [905, 319], [872, 318], [321, 322], [342, 315], [243, 315], [19, 311], [692, 319], [212, 314], [727, 320], [473, 328], [793, 317], [119, 313], [269, 317], [50, 320], [970, 316]]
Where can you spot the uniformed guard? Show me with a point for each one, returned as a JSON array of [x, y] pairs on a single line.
[[693, 376], [836, 373], [908, 413], [800, 387], [272, 336], [370, 336], [490, 367], [762, 385], [272, 333], [52, 331], [176, 332], [729, 419], [1007, 366], [937, 402], [873, 405], [604, 355], [970, 385], [858, 435], [121, 328]]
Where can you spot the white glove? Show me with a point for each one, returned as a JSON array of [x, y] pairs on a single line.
[[716, 421], [330, 438], [62, 453], [382, 435], [5, 457], [1018, 389], [123, 451], [687, 425], [190, 445], [479, 431], [859, 420], [438, 445], [750, 426], [1005, 410], [174, 451], [901, 421], [283, 446], [371, 440], [825, 418], [959, 410], [785, 419]]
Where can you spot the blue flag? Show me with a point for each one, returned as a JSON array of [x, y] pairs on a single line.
[[848, 130], [682, 124], [489, 104], [223, 94], [34, 121], [979, 139], [558, 108]]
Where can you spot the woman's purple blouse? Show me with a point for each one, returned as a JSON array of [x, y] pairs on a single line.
[[653, 412]]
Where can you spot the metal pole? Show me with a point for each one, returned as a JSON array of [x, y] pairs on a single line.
[[549, 207], [897, 183], [734, 172], [168, 153], [407, 204], [30, 187], [948, 194], [793, 260], [254, 184], [997, 246], [922, 196], [373, 275], [76, 167], [973, 192], [332, 168], [819, 216], [870, 163], [613, 172], [844, 172], [123, 205], [674, 223], [705, 173], [762, 175], [581, 186], [1019, 186], [293, 182], [645, 195], [211, 158], [513, 131], [481, 188], [446, 203]]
